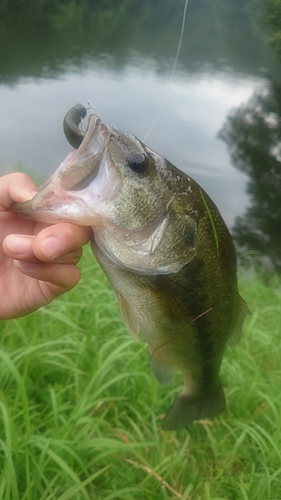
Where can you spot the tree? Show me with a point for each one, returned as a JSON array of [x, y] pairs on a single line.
[[253, 134]]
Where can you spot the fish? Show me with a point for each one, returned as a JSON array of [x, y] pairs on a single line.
[[165, 249]]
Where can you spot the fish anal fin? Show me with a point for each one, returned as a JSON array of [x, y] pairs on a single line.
[[161, 370], [236, 333], [187, 408]]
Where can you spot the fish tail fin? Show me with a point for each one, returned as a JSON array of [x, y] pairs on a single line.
[[185, 408]]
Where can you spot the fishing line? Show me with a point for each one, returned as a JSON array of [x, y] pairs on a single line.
[[172, 72]]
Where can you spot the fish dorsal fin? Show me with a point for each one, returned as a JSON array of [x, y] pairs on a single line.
[[236, 334]]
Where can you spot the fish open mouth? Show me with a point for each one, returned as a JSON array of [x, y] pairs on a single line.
[[85, 178]]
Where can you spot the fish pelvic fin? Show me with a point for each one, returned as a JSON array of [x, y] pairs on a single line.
[[186, 409], [161, 371], [236, 334]]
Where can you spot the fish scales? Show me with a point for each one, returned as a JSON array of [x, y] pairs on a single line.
[[165, 249]]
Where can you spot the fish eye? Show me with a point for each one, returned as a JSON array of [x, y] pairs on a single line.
[[137, 162]]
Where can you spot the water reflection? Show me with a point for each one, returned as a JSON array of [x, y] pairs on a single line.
[[185, 133], [253, 134], [40, 38]]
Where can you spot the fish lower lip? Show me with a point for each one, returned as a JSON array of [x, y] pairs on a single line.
[[58, 209]]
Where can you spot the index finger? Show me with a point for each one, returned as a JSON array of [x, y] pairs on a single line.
[[60, 239]]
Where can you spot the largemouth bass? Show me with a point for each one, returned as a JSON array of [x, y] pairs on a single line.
[[165, 249]]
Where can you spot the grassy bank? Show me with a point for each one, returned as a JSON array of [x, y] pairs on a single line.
[[80, 411]]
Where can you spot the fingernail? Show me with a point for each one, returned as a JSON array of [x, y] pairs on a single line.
[[23, 193], [18, 244], [51, 247], [30, 193]]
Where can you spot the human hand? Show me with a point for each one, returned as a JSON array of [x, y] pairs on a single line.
[[37, 261]]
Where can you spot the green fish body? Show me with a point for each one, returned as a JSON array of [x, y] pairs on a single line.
[[166, 252]]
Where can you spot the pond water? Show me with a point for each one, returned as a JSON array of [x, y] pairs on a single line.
[[223, 96]]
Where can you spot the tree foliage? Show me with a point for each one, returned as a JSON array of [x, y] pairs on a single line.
[[271, 19], [253, 135]]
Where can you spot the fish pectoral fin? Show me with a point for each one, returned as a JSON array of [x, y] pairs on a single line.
[[162, 372], [237, 330], [186, 409], [127, 316]]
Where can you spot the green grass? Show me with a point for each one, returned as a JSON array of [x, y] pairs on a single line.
[[80, 411]]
